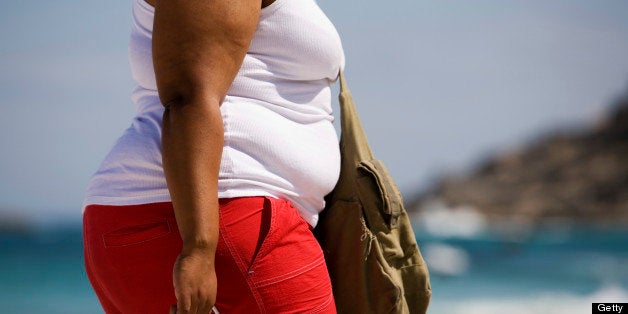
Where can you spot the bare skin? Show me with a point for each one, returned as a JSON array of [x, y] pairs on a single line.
[[198, 48], [265, 3]]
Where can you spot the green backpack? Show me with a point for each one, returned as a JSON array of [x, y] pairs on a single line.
[[371, 252]]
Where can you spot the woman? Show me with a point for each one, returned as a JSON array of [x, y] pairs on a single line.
[[208, 198]]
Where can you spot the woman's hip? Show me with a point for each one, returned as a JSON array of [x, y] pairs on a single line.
[[264, 243]]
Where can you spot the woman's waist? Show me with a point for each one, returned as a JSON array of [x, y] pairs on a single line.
[[254, 143], [303, 105]]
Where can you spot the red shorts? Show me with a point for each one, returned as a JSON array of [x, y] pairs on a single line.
[[267, 260]]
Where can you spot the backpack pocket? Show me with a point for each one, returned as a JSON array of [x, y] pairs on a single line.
[[386, 217], [377, 189]]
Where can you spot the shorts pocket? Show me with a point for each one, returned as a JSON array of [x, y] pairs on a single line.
[[136, 234], [287, 248], [267, 232]]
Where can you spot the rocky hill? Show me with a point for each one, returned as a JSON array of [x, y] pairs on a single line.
[[568, 176]]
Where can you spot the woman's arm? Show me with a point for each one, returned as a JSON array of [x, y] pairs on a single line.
[[198, 47]]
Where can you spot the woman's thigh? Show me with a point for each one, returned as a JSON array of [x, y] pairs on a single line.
[[267, 259], [129, 255], [275, 253]]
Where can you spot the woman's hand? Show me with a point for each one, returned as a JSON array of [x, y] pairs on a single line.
[[194, 279]]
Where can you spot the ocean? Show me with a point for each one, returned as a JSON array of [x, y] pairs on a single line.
[[550, 270]]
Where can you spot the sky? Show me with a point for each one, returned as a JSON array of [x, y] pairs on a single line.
[[439, 85]]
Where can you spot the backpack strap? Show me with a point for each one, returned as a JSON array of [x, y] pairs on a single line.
[[353, 137], [356, 154]]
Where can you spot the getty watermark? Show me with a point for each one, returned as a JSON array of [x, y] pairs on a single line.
[[609, 308]]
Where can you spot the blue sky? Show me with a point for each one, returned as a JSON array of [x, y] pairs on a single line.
[[439, 84]]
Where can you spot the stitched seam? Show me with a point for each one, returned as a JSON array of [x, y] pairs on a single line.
[[290, 274], [241, 265], [104, 237], [250, 273], [270, 236], [324, 305]]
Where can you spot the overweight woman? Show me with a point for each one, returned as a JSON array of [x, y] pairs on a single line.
[[208, 198]]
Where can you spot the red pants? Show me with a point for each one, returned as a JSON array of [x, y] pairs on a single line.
[[267, 260]]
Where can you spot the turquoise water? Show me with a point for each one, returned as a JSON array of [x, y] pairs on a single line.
[[553, 271], [43, 272]]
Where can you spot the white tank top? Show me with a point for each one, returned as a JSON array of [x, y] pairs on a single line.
[[279, 138]]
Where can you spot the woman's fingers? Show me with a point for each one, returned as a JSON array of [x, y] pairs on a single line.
[[194, 279], [206, 307], [183, 305]]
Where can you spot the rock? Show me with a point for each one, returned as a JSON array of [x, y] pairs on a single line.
[[564, 176]]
